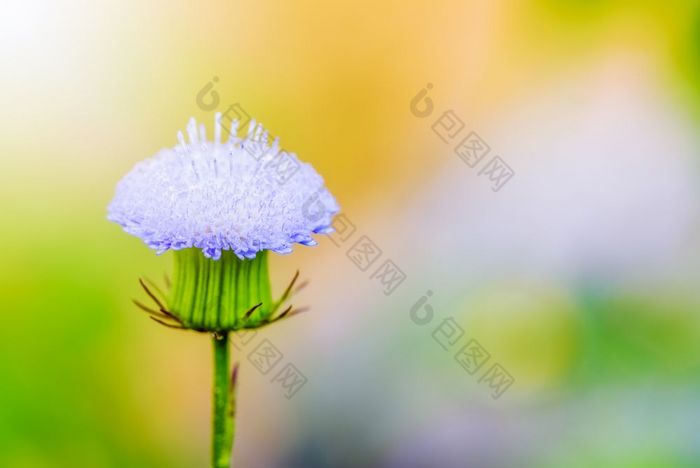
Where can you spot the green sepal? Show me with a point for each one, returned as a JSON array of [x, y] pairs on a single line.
[[218, 295]]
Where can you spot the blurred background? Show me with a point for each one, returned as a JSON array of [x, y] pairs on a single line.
[[578, 277]]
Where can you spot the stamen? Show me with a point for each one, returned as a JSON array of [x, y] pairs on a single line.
[[275, 148], [217, 128], [251, 129], [233, 136], [181, 140], [192, 131], [202, 133]]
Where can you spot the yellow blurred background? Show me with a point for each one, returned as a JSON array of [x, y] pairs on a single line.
[[579, 277]]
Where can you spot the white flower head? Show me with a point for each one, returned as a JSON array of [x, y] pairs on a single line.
[[244, 194]]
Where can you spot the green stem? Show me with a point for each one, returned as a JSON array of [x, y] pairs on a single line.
[[224, 407]]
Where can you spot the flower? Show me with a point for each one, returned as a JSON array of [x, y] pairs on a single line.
[[244, 195], [221, 207]]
